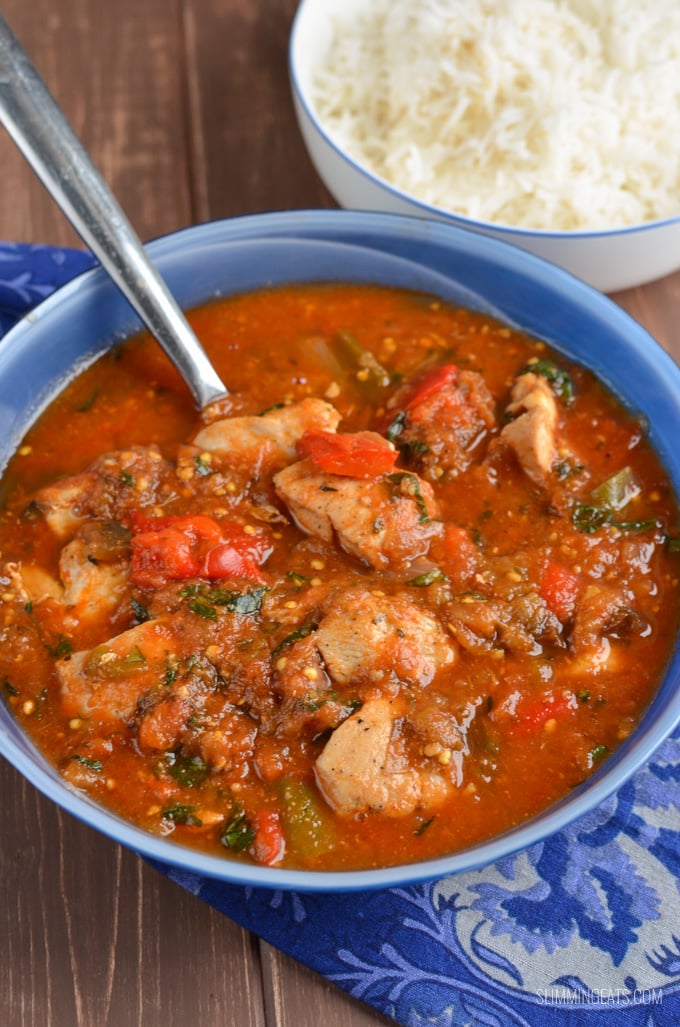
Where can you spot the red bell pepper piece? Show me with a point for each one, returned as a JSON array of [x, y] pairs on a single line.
[[559, 588], [269, 844], [176, 548], [427, 384], [532, 715], [161, 556], [361, 454], [456, 554], [225, 561], [194, 526]]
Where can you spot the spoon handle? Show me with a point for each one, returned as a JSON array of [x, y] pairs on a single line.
[[39, 128]]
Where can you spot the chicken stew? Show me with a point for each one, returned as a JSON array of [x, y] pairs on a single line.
[[411, 584]]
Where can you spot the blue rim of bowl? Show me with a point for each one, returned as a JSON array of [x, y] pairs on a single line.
[[428, 208], [634, 752]]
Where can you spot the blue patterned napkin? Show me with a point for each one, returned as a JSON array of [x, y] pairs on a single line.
[[583, 928]]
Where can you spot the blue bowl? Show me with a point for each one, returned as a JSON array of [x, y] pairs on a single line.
[[87, 316]]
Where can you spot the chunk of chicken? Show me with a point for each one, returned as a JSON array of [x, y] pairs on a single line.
[[93, 578], [355, 770], [531, 435], [107, 682], [92, 588], [262, 443], [363, 634], [386, 521], [115, 484], [31, 584], [64, 503]]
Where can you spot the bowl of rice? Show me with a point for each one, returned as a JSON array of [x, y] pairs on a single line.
[[553, 125]]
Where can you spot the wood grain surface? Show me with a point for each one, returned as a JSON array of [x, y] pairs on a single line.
[[185, 107]]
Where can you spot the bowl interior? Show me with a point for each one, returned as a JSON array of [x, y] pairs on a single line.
[[88, 315]]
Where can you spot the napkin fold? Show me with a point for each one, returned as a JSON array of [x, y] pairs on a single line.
[[582, 928]]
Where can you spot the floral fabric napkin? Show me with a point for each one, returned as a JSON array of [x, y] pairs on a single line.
[[583, 928]]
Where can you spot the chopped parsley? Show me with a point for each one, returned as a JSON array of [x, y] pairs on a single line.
[[170, 673], [202, 608], [203, 468], [204, 602], [274, 406], [245, 603], [298, 579], [637, 527], [314, 701], [588, 519], [181, 814], [598, 753], [558, 379], [565, 469], [428, 578], [62, 647], [295, 636], [141, 613], [88, 402], [190, 771], [237, 834], [413, 448], [612, 495], [89, 763], [396, 427], [399, 479], [422, 828]]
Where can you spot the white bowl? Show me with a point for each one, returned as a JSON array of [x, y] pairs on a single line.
[[609, 260]]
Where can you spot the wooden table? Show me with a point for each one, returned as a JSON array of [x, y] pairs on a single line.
[[185, 106]]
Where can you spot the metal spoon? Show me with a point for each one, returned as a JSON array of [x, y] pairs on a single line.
[[39, 128]]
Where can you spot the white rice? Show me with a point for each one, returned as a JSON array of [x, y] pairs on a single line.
[[545, 114]]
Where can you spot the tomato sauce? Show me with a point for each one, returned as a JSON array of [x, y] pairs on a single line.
[[410, 585]]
